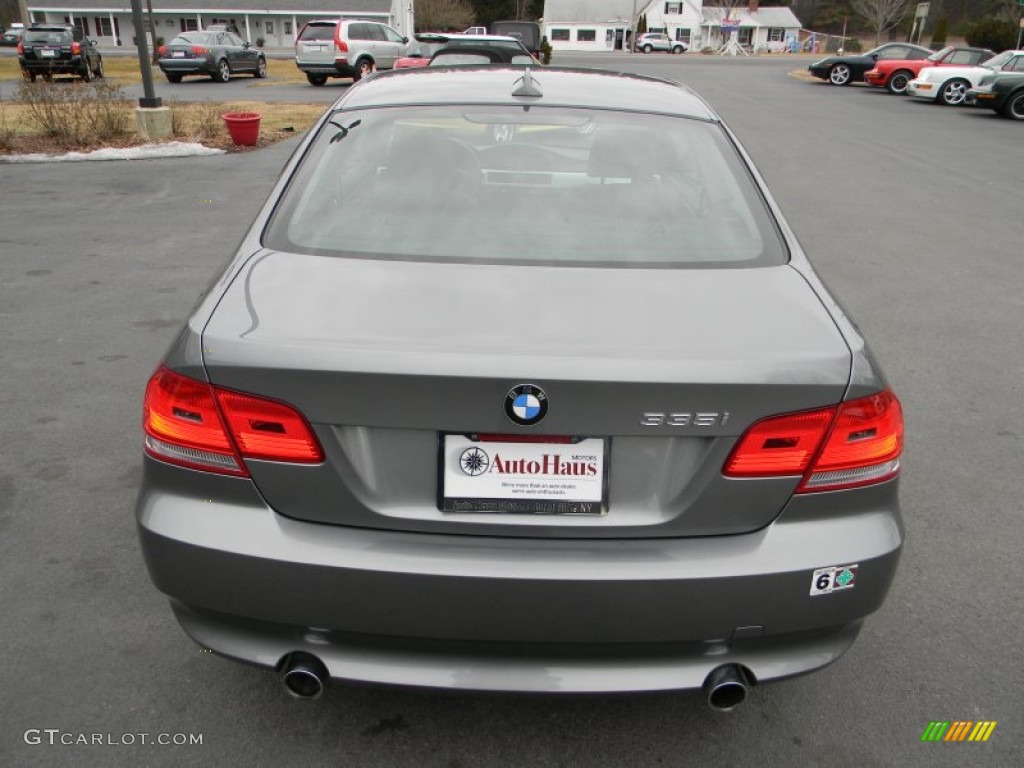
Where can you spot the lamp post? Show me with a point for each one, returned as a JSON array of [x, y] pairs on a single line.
[[149, 99], [152, 117]]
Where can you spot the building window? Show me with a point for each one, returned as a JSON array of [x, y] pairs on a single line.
[[659, 30], [683, 36], [103, 27], [586, 35], [609, 36], [776, 35], [676, 8], [189, 25], [287, 27], [269, 26], [559, 34]]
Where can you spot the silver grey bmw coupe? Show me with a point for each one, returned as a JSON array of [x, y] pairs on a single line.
[[521, 382]]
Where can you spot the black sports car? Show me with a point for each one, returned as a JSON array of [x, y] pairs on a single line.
[[843, 70]]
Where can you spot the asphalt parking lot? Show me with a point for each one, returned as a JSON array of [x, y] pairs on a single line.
[[911, 214]]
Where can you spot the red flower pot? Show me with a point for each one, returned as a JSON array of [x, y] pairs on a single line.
[[244, 127]]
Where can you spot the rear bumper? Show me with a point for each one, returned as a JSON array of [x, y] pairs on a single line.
[[72, 66], [188, 66], [494, 613], [339, 68]]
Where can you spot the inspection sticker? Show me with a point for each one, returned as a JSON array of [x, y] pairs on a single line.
[[825, 581]]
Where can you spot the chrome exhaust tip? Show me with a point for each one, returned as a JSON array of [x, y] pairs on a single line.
[[726, 687], [304, 675]]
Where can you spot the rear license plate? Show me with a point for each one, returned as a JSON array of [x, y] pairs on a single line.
[[47, 54], [178, 54], [539, 478]]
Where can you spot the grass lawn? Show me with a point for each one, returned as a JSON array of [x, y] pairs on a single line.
[[45, 126], [125, 70]]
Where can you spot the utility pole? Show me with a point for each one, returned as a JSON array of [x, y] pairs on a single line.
[[632, 30]]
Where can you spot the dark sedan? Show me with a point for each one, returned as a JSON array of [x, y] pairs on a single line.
[[1003, 91], [850, 68], [217, 54]]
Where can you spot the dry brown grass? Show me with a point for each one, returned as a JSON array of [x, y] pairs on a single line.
[[53, 117]]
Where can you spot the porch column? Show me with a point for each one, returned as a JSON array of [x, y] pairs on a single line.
[[113, 29], [248, 32]]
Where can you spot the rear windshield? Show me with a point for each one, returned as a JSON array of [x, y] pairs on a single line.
[[318, 32], [196, 38], [47, 36], [503, 185]]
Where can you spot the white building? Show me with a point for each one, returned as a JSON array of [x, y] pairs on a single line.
[[109, 22], [601, 25]]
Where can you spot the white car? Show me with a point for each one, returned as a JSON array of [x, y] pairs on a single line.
[[949, 85]]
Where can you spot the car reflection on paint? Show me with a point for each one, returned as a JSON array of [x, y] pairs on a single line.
[[518, 434]]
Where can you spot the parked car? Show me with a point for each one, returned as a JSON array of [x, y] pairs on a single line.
[[427, 44], [217, 54], [526, 32], [347, 48], [894, 74], [11, 37], [46, 50], [1003, 92], [516, 434], [420, 49], [949, 85], [658, 41], [481, 54], [850, 68]]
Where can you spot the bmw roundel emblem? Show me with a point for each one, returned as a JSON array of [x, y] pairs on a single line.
[[526, 404]]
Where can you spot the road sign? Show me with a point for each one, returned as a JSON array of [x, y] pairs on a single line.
[[923, 8]]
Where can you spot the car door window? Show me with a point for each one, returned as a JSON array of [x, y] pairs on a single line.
[[896, 52], [393, 36], [359, 32], [376, 33], [1015, 65]]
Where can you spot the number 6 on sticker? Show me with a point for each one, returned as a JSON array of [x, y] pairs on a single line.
[[824, 581]]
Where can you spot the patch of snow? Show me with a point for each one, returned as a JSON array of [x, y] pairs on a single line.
[[142, 152]]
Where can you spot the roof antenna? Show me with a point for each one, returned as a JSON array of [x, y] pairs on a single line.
[[526, 86]]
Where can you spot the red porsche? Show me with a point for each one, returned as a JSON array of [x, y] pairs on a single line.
[[894, 74]]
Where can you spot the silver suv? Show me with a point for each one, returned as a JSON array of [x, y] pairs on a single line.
[[657, 41], [347, 48]]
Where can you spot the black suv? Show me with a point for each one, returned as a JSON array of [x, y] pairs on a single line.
[[58, 49]]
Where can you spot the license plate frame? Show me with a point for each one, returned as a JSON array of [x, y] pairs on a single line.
[[571, 480]]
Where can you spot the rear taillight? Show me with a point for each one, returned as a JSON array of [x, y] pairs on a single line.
[[21, 49], [197, 425], [267, 429], [863, 446], [339, 45], [162, 50], [76, 48], [855, 443], [198, 50]]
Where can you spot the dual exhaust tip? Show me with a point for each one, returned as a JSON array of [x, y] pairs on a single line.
[[726, 687], [305, 677]]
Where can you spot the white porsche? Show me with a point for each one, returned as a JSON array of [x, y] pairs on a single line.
[[949, 85]]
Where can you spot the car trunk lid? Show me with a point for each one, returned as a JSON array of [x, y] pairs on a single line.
[[662, 370]]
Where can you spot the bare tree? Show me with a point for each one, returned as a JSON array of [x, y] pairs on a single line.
[[881, 15], [444, 14]]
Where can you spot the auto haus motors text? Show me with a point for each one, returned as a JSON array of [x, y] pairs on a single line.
[[549, 465]]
